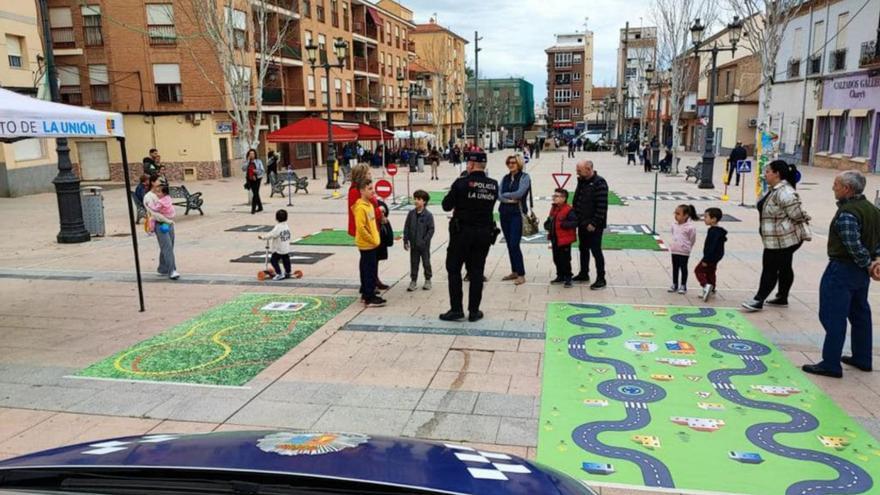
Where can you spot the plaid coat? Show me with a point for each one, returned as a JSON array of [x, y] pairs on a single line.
[[784, 223]]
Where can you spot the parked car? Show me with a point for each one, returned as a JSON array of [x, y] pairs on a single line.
[[279, 462]]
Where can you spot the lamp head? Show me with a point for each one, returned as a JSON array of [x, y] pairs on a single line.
[[697, 30], [312, 52], [341, 49], [735, 28], [649, 73]]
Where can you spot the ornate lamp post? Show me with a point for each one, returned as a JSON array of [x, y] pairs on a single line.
[[412, 88], [735, 31], [450, 104], [650, 74], [340, 48]]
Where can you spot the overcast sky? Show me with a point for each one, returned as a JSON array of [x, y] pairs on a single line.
[[515, 34]]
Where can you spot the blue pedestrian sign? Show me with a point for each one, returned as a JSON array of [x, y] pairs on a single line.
[[744, 166]]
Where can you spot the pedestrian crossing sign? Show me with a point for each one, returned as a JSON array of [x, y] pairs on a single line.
[[744, 166]]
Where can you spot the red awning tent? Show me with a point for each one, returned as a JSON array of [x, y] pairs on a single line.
[[310, 130], [374, 15], [369, 133]]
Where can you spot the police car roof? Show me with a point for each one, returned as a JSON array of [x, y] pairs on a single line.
[[444, 468]]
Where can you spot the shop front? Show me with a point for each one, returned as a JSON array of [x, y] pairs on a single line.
[[848, 123]]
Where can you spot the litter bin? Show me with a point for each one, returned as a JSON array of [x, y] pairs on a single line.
[[420, 164], [93, 209]]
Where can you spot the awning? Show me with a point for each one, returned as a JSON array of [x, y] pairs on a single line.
[[374, 14], [559, 125], [26, 117], [859, 112], [310, 130], [837, 112], [370, 133], [822, 112]]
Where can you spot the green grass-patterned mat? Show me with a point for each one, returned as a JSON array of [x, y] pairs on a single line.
[[645, 242], [332, 238], [227, 345]]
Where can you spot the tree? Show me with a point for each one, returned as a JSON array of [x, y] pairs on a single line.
[[675, 57], [236, 49]]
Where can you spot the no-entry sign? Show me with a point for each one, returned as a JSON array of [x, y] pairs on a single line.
[[392, 169], [561, 179], [383, 188]]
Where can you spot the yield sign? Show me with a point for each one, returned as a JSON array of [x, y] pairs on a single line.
[[561, 179]]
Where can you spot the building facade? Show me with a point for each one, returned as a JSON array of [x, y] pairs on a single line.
[[599, 115], [569, 80], [441, 53], [506, 107], [637, 50]]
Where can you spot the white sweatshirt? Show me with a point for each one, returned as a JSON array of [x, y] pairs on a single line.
[[280, 239]]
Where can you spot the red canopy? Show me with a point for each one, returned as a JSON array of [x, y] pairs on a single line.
[[370, 133], [374, 15], [310, 130]]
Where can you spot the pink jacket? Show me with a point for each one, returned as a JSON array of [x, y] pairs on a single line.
[[684, 235]]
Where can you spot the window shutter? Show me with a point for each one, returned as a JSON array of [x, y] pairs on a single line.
[[160, 14], [91, 10], [68, 75], [60, 18], [98, 75], [166, 73], [13, 46]]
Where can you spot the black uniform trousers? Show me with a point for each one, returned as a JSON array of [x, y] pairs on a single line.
[[591, 242], [468, 247]]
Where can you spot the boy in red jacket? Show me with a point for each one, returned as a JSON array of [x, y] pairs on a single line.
[[561, 228]]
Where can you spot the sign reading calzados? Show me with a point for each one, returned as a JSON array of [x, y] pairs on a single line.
[[843, 92]]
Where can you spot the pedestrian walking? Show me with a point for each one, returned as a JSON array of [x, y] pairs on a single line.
[[784, 226], [361, 174], [571, 148], [854, 259], [646, 157], [272, 168], [561, 227], [279, 245], [472, 232], [164, 234], [254, 171], [434, 158], [515, 186], [417, 234], [684, 236], [631, 149], [737, 154], [367, 240], [713, 252], [590, 205]]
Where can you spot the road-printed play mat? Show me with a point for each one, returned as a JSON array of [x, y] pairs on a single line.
[[694, 401], [226, 345]]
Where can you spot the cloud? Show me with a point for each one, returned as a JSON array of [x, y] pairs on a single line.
[[516, 34]]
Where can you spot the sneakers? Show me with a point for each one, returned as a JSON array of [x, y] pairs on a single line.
[[778, 302], [683, 289], [376, 302], [475, 316], [708, 289], [582, 277], [557, 280], [412, 286], [452, 316], [279, 277], [672, 289], [427, 285], [174, 275], [753, 305], [599, 284]]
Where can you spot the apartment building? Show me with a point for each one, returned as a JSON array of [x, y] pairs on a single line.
[[506, 107], [27, 166], [441, 53], [636, 52], [825, 104], [569, 80], [600, 109]]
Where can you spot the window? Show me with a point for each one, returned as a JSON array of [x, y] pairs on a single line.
[[388, 32], [61, 25], [338, 87], [319, 10], [576, 95], [160, 24], [397, 36], [348, 93], [563, 59], [576, 76], [308, 37], [564, 78], [307, 8], [837, 61], [240, 81], [310, 85], [238, 20], [824, 143], [322, 47], [303, 151], [334, 12], [100, 84], [840, 134], [840, 39], [575, 111], [166, 77], [794, 68], [91, 15], [863, 136], [28, 149], [68, 82], [818, 38], [324, 90], [345, 23], [577, 58], [13, 51], [562, 96]]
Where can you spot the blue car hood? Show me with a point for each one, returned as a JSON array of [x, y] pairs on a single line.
[[414, 463]]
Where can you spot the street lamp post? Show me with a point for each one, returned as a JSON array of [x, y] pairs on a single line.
[[340, 48], [650, 74], [697, 30], [412, 88], [450, 104]]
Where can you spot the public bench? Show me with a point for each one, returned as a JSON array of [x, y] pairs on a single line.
[[192, 201], [696, 172], [294, 180]]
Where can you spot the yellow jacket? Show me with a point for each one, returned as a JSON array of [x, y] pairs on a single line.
[[366, 235]]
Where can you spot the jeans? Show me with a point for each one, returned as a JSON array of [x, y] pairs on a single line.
[[706, 274], [843, 295], [256, 202], [511, 226], [562, 261], [283, 258], [776, 267], [166, 250], [419, 255], [369, 272], [731, 169], [680, 267], [591, 242]]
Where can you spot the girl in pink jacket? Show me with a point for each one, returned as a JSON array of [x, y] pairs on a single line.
[[684, 235]]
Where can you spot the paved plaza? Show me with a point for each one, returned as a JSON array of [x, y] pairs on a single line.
[[395, 370]]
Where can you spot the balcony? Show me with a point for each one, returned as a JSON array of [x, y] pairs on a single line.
[[360, 64], [63, 38], [814, 66], [869, 56], [359, 27], [794, 68], [291, 49], [837, 62], [422, 118], [282, 5], [273, 96], [424, 94], [162, 34]]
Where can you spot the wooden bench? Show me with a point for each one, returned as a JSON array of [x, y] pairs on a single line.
[[696, 172], [281, 183], [192, 201]]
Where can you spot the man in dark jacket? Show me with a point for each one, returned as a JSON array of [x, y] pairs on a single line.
[[738, 153], [591, 208], [631, 149]]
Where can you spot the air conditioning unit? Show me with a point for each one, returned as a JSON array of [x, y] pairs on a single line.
[[753, 122], [194, 118], [274, 122]]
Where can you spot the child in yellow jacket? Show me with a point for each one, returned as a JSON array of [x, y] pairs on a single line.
[[367, 240]]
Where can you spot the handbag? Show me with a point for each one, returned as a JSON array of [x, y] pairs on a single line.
[[386, 235], [529, 220]]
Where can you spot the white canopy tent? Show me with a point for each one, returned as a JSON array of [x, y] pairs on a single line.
[[23, 117]]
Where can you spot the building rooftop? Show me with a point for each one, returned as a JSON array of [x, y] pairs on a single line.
[[433, 27], [599, 93]]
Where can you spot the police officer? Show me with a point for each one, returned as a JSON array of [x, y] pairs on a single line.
[[471, 232]]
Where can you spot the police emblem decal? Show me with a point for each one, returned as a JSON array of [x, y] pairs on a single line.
[[287, 443]]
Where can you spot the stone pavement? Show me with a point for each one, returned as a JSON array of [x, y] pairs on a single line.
[[393, 370]]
